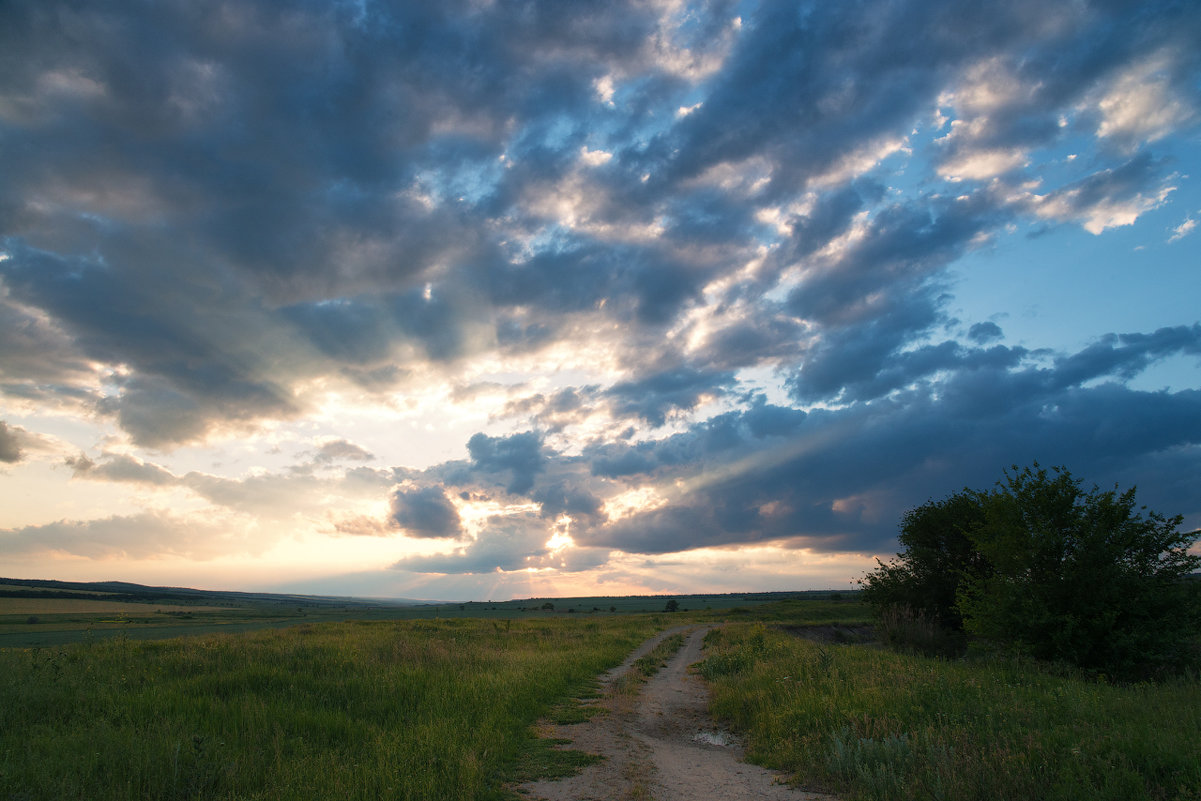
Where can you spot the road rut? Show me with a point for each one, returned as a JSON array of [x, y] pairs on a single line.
[[661, 744]]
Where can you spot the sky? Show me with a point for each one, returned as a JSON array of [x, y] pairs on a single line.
[[487, 300]]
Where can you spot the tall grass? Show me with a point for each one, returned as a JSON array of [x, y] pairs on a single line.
[[903, 629], [874, 724], [408, 710]]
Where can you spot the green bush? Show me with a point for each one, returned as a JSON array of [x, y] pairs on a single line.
[[1082, 577], [937, 552], [1041, 567]]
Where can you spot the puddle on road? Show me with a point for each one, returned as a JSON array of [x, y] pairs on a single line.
[[712, 738]]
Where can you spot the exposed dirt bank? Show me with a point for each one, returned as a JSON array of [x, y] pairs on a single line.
[[838, 633]]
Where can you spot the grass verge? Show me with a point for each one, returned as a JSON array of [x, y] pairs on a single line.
[[868, 723]]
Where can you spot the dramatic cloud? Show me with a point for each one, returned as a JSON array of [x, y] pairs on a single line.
[[507, 545], [10, 449], [519, 455], [478, 290], [425, 513]]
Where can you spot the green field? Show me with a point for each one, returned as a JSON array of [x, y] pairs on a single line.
[[446, 708], [409, 710], [868, 723], [46, 613], [66, 607]]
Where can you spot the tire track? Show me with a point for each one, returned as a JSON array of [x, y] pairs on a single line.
[[660, 744]]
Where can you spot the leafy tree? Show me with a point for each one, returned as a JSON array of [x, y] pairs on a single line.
[[1043, 567], [1084, 577], [672, 605], [937, 552]]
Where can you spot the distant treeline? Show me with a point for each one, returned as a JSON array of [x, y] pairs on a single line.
[[138, 593], [92, 596], [106, 590]]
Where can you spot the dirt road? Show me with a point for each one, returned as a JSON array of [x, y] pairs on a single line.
[[661, 745]]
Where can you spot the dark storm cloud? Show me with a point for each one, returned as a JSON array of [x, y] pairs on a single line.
[[838, 480], [644, 284], [893, 370], [328, 180], [209, 208], [846, 481], [265, 167], [519, 455], [706, 444], [765, 419], [156, 412], [883, 293], [1126, 355], [902, 245], [654, 396], [615, 461], [10, 448], [807, 86], [507, 544], [190, 371], [354, 332], [35, 353], [425, 512], [708, 216], [831, 215], [770, 336], [563, 499]]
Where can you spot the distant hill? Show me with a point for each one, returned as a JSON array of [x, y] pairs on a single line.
[[139, 593]]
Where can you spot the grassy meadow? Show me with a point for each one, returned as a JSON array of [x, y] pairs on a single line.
[[405, 710], [446, 708], [868, 723], [47, 613]]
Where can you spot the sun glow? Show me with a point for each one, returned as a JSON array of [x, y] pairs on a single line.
[[475, 514], [634, 501], [561, 539]]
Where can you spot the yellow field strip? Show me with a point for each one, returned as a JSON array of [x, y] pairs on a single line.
[[65, 606]]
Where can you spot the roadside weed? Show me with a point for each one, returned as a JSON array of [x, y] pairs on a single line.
[[875, 724]]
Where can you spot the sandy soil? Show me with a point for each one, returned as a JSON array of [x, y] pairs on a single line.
[[661, 745]]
